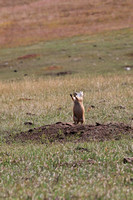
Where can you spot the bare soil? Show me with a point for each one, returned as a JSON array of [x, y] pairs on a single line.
[[60, 73], [63, 132]]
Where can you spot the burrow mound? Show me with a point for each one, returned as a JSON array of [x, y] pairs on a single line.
[[70, 132]]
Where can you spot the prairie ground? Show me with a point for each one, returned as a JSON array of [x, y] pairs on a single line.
[[69, 169], [46, 62]]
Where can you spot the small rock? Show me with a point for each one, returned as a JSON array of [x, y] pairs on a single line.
[[92, 106], [30, 130], [128, 68], [98, 124]]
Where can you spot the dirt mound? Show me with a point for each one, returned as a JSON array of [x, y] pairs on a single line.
[[28, 56], [60, 73], [70, 132]]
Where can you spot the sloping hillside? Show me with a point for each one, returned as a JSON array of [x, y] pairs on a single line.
[[29, 21]]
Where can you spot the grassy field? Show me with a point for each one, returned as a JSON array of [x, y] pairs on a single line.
[[63, 171], [47, 101], [37, 74], [98, 66], [106, 53], [58, 171]]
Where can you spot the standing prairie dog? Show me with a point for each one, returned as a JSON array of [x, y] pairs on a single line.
[[78, 108]]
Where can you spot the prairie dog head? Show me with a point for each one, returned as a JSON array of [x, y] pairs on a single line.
[[78, 95]]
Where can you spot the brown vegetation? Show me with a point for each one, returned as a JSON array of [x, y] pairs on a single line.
[[29, 21]]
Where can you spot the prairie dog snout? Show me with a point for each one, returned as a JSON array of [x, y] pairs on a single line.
[[78, 108]]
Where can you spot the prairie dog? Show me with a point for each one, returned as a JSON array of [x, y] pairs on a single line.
[[78, 108]]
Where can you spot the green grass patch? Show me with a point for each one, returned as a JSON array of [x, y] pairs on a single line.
[[62, 171], [96, 54]]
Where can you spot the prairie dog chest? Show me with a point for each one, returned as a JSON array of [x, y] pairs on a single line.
[[78, 108]]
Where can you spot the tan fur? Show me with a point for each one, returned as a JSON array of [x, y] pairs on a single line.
[[78, 110]]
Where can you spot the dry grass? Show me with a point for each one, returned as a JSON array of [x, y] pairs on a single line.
[[33, 21], [48, 100]]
